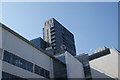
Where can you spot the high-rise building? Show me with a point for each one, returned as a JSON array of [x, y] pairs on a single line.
[[59, 37]]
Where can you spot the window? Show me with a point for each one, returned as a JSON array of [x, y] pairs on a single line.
[[41, 71], [63, 37], [29, 66], [17, 61], [52, 28], [53, 42], [7, 76], [7, 57], [22, 64]]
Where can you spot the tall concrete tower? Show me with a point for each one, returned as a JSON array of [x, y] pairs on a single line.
[[59, 37]]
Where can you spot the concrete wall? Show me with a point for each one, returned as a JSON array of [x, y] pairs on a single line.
[[22, 49], [0, 51], [0, 37], [51, 69], [74, 67], [47, 35], [119, 65], [105, 66], [9, 68], [0, 69]]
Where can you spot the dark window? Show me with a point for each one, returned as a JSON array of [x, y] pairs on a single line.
[[53, 38], [22, 64], [41, 71], [52, 28], [7, 76], [53, 42], [29, 66], [63, 33], [7, 57], [64, 41], [63, 37], [52, 35], [17, 61]]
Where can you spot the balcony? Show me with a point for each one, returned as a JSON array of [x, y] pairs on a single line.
[[52, 37], [53, 33], [53, 41], [52, 30]]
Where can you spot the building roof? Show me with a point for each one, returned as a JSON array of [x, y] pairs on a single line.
[[99, 54]]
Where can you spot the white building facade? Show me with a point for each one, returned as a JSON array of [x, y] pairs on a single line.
[[106, 66], [74, 67], [19, 58]]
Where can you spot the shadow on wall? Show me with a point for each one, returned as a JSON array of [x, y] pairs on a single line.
[[1, 51], [97, 75]]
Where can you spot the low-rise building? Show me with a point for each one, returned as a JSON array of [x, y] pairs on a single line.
[[105, 64], [20, 58]]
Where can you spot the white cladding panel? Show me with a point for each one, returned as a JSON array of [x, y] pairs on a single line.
[[74, 67], [119, 66], [22, 49], [47, 34], [0, 52], [105, 66], [0, 69], [0, 37], [9, 68]]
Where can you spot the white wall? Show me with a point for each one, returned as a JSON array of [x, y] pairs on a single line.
[[105, 66], [119, 65], [0, 69], [14, 70], [0, 37], [47, 35], [0, 52], [22, 49], [51, 69], [74, 67]]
